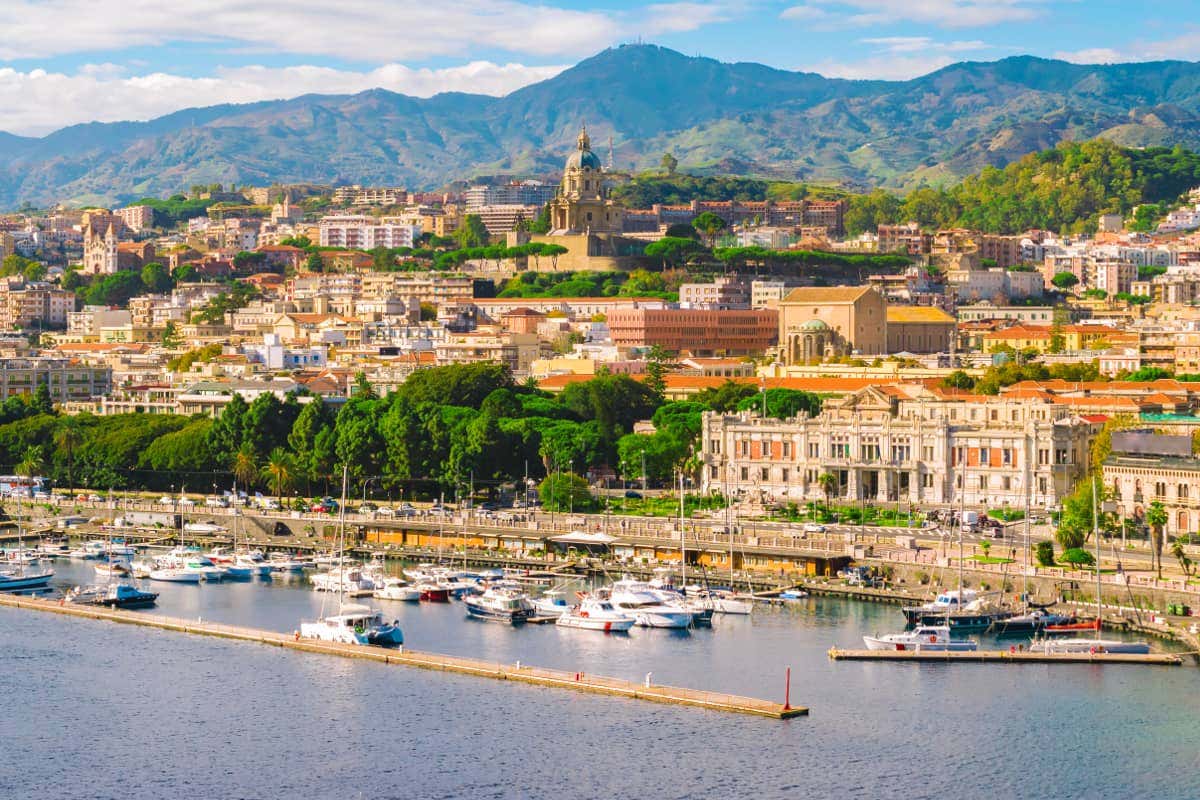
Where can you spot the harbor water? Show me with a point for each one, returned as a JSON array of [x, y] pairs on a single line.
[[108, 711]]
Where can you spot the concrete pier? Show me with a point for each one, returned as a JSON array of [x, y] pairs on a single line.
[[1005, 657], [559, 679]]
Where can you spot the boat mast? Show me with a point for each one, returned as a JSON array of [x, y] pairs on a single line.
[[1096, 535], [682, 539], [962, 510], [1028, 489], [342, 539]]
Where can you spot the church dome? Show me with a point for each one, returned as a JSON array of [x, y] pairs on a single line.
[[583, 157], [814, 325]]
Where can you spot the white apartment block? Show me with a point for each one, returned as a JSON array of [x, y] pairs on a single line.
[[360, 232]]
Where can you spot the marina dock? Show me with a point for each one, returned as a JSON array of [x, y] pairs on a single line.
[[1006, 657], [559, 679]]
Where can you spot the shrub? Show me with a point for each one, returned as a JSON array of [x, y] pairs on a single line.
[[1077, 556], [1044, 553]]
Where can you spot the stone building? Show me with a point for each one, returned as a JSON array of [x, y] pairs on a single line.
[[582, 204], [1147, 467], [818, 322], [902, 443]]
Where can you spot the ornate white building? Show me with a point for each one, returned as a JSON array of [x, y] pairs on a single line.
[[902, 444]]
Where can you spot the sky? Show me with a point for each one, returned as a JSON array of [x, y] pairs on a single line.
[[64, 62]]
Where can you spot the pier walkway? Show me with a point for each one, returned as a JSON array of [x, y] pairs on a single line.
[[1006, 657], [576, 681]]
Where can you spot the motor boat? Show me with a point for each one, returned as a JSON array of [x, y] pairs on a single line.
[[594, 614], [1071, 628], [397, 589], [433, 593], [54, 548], [254, 562], [281, 562], [646, 607], [500, 604], [789, 595], [923, 638], [192, 560], [354, 624], [115, 595], [552, 603], [1092, 646], [346, 580], [945, 603], [142, 567], [175, 575]]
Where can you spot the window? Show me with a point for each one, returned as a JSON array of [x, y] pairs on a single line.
[[745, 473], [927, 480], [764, 474], [1181, 491], [814, 449], [787, 449], [714, 446], [1160, 489], [985, 456], [784, 475]]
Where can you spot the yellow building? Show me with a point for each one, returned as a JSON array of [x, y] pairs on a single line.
[[919, 329], [1041, 338]]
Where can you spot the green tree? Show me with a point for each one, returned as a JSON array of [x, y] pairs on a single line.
[[1077, 557], [708, 225], [156, 278], [829, 484], [867, 212], [314, 262], [675, 251], [782, 403], [1180, 554], [1064, 280], [565, 491], [656, 369], [669, 163], [280, 472], [33, 462], [471, 232], [1044, 553], [171, 338], [244, 467], [42, 402], [1156, 518], [67, 439]]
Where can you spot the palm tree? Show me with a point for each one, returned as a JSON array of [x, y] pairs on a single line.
[[67, 439], [280, 472], [244, 468], [1181, 555], [1156, 518], [829, 484], [33, 462]]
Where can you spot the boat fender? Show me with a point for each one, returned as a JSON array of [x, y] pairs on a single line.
[[1092, 651], [583, 613], [932, 638]]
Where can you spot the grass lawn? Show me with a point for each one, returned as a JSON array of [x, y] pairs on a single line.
[[990, 560]]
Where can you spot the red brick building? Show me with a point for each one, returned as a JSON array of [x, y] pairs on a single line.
[[699, 332]]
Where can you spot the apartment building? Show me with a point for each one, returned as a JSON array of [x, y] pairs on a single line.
[[699, 332], [360, 232], [67, 380]]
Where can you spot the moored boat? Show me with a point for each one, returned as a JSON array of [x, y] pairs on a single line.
[[928, 638], [115, 595], [596, 615], [500, 604], [397, 589], [354, 624]]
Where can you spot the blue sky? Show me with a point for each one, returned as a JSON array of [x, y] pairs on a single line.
[[70, 61]]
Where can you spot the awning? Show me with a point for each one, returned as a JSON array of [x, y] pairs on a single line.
[[585, 538]]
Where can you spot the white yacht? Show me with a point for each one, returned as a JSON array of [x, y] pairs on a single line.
[[594, 614], [174, 575], [927, 638], [1087, 645], [346, 580], [645, 605], [501, 604], [397, 589], [945, 603], [354, 624], [254, 562]]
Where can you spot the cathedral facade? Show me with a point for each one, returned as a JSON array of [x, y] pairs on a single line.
[[582, 204]]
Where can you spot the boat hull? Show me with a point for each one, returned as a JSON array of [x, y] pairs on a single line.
[[477, 610], [433, 595], [662, 619], [874, 643], [616, 625], [25, 583]]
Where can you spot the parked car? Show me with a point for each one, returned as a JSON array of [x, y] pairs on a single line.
[[186, 501], [216, 502], [632, 495], [386, 511], [266, 504], [368, 508], [166, 501], [813, 527]]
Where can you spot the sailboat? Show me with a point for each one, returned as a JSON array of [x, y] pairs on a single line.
[[1096, 644], [354, 623], [114, 595], [21, 578], [167, 569]]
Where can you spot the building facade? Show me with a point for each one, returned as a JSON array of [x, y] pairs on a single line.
[[700, 332], [901, 444], [818, 322]]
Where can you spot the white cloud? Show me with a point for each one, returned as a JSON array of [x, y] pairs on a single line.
[[882, 67], [364, 30], [916, 44], [683, 16], [1186, 47], [38, 101], [940, 13]]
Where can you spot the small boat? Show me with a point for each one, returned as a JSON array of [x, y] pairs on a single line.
[[397, 589], [345, 580], [552, 603], [433, 593], [1067, 628], [929, 638], [54, 548], [24, 580], [254, 563], [946, 602], [175, 575], [281, 562], [596, 615], [789, 595], [1030, 622], [112, 569], [354, 624], [142, 568], [1086, 645], [511, 606], [115, 595]]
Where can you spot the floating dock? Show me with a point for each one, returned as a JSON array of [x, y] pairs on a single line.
[[559, 679], [1006, 657]]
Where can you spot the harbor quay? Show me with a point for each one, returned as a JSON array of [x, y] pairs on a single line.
[[549, 678]]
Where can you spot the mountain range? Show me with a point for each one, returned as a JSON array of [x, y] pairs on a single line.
[[715, 117]]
